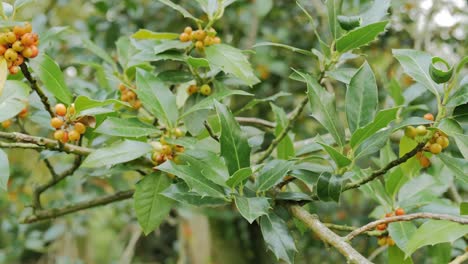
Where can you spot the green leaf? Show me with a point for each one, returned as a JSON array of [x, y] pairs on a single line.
[[220, 93], [459, 97], [252, 208], [462, 143], [360, 36], [257, 101], [439, 75], [131, 127], [180, 192], [291, 48], [293, 196], [207, 163], [332, 7], [285, 148], [464, 208], [20, 3], [170, 45], [231, 61], [273, 172], [324, 109], [373, 144], [450, 126], [361, 98], [198, 62], [394, 181], [343, 75], [239, 176], [51, 76], [181, 10], [340, 160], [148, 34], [83, 103], [416, 64], [277, 237], [458, 166], [13, 99], [119, 152], [151, 208], [329, 187], [4, 170], [373, 189], [376, 12], [157, 98], [434, 232], [194, 179], [381, 120], [401, 232], [175, 76], [349, 22], [98, 51], [396, 92], [3, 74], [397, 256], [234, 145]]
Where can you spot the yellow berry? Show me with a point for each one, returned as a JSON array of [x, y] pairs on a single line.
[[410, 132], [74, 135], [188, 30], [205, 89], [10, 55], [435, 148], [199, 45], [60, 109], [56, 122], [443, 141], [166, 149], [80, 128], [421, 130], [6, 123], [11, 37], [216, 40], [184, 37]]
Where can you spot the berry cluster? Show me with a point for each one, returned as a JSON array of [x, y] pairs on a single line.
[[436, 144], [66, 129], [23, 114], [205, 89], [17, 45], [201, 38], [129, 96], [387, 240], [164, 151]]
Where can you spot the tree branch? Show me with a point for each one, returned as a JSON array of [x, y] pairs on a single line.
[[43, 215], [35, 87], [326, 235], [460, 259], [408, 217], [256, 121], [352, 228], [210, 131], [43, 143]]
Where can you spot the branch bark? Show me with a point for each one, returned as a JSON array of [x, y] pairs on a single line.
[[326, 235], [43, 215], [35, 87], [408, 217], [256, 121]]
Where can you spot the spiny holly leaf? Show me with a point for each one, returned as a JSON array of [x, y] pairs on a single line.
[[401, 232], [234, 145], [360, 36], [119, 152], [198, 159], [51, 76], [238, 177], [361, 98], [231, 60], [252, 208], [273, 172], [329, 187], [376, 12], [276, 235], [150, 206], [4, 170], [340, 159]]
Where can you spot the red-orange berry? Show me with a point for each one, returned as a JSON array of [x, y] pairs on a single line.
[[382, 227], [429, 117], [399, 211], [60, 109]]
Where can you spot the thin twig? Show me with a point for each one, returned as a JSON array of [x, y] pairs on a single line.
[[210, 131], [326, 235], [377, 252], [352, 228], [256, 121], [43, 215], [20, 145], [408, 217], [35, 87], [460, 259]]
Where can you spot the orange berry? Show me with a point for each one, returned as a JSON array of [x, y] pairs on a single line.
[[35, 51], [10, 55], [208, 41], [216, 40], [28, 39], [7, 123], [199, 34], [56, 122], [137, 104], [382, 241], [27, 27], [192, 89], [18, 46], [131, 95], [425, 162], [2, 50], [188, 30], [80, 128], [382, 227], [74, 135], [71, 110], [429, 117], [179, 148], [178, 132], [389, 214], [14, 70], [390, 241], [60, 109], [443, 141], [435, 148], [19, 60], [184, 37], [64, 138], [58, 135], [399, 211], [23, 113], [122, 87], [19, 31]]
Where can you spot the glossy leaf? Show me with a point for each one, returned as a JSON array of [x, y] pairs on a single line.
[[148, 34], [329, 187], [277, 237], [180, 192], [464, 208], [252, 208], [373, 144], [4, 170], [133, 127], [234, 145], [273, 172], [13, 99], [151, 207], [340, 159], [458, 166], [324, 109], [343, 75], [231, 61], [459, 97], [360, 36], [416, 64], [411, 121], [207, 163], [333, 11], [401, 232], [462, 144], [376, 12], [194, 179], [450, 126], [381, 120], [291, 48], [361, 98], [83, 103], [285, 148], [181, 10], [119, 152], [239, 176], [397, 256], [434, 232], [51, 76], [157, 98]]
